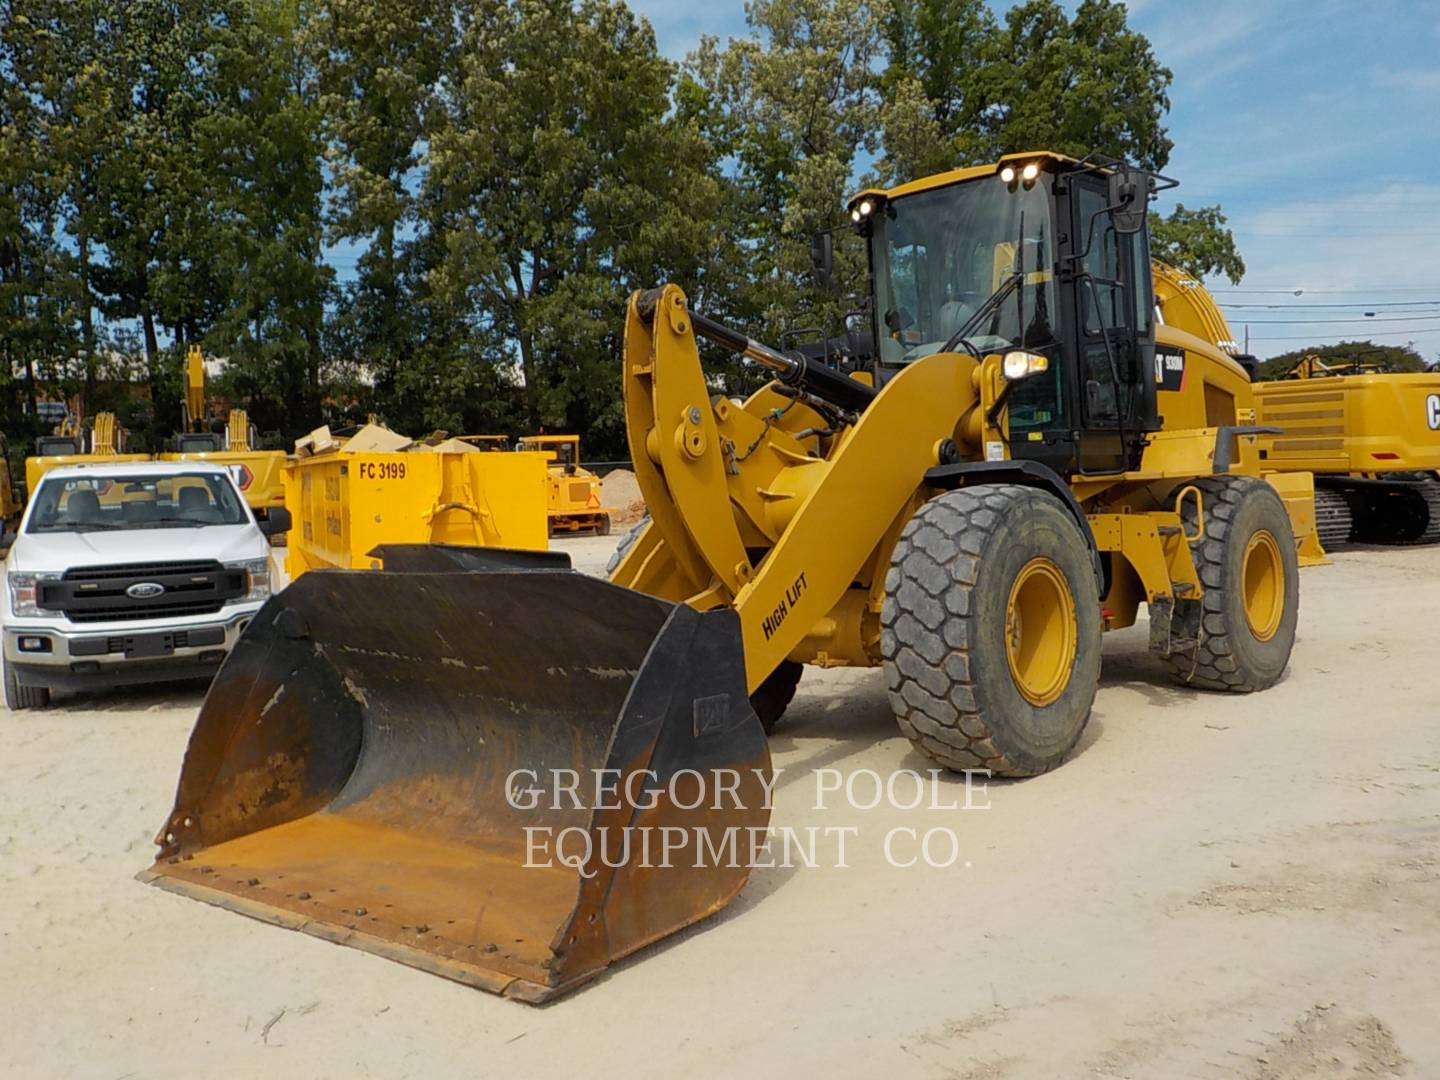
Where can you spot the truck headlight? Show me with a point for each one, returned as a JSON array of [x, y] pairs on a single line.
[[257, 576], [1020, 364], [25, 592]]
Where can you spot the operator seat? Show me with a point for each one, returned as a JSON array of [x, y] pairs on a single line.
[[83, 508]]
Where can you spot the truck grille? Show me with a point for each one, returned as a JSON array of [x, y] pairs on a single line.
[[90, 594]]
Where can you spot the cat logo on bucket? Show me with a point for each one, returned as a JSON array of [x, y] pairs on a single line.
[[1432, 411]]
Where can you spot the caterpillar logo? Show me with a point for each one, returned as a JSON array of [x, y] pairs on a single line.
[[1432, 411]]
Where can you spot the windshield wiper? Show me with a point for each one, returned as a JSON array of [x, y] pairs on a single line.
[[79, 527], [992, 302], [171, 521]]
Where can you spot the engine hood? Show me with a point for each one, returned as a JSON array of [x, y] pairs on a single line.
[[60, 551]]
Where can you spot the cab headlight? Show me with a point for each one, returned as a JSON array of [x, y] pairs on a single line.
[[25, 592], [1021, 365], [257, 576]]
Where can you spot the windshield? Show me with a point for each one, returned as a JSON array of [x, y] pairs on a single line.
[[941, 254], [136, 501]]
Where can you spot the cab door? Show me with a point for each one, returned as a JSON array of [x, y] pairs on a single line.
[[1115, 334]]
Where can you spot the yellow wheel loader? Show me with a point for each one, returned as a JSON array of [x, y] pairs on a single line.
[[573, 493], [1369, 437], [393, 759]]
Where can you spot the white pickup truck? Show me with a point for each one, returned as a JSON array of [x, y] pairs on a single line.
[[131, 572]]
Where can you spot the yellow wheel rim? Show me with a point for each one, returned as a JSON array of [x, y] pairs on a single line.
[[1040, 632], [1262, 574]]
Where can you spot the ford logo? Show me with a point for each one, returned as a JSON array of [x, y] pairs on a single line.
[[144, 590]]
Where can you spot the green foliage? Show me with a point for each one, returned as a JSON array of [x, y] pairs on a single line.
[[1197, 242], [964, 88], [1387, 357], [793, 104], [493, 177]]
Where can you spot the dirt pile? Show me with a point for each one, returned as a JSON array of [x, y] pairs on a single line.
[[621, 490]]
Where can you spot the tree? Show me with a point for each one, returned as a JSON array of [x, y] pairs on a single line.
[[1386, 357], [37, 278], [1197, 242], [794, 104], [262, 140], [556, 184], [963, 89], [379, 64]]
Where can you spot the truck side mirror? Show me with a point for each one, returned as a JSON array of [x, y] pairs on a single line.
[[822, 259], [276, 521], [1129, 199]]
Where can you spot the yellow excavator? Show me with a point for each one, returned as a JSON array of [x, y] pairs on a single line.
[[1369, 437], [258, 473], [396, 760], [71, 444]]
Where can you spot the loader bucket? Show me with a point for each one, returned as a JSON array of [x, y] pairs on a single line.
[[389, 760]]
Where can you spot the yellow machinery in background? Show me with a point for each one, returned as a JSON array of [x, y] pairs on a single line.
[[71, 444], [344, 505], [12, 502], [1370, 438], [257, 473], [574, 493], [379, 758]]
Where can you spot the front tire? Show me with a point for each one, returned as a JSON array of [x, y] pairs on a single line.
[[19, 697], [1243, 628], [990, 630]]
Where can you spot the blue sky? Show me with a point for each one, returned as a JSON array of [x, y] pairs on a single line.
[[1315, 124]]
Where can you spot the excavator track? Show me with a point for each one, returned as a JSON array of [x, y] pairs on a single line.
[[1333, 519], [1398, 513]]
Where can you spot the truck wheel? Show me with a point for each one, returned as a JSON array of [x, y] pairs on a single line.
[[602, 525], [990, 630], [1243, 628], [773, 696], [19, 697]]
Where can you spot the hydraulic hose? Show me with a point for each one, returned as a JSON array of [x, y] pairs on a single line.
[[792, 369]]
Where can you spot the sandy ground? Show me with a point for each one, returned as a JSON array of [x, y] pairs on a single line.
[[1211, 887]]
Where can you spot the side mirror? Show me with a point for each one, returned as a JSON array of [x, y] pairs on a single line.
[[1129, 198], [822, 259], [276, 522]]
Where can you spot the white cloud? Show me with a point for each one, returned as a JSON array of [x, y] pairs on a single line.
[[1417, 80]]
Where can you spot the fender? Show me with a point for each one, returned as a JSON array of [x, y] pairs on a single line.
[[1027, 474]]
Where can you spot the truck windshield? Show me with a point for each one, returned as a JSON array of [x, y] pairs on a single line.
[[117, 501], [940, 255]]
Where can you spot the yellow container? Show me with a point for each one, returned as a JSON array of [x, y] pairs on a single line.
[[343, 505]]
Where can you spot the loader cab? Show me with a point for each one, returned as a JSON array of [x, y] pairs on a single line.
[[1038, 252]]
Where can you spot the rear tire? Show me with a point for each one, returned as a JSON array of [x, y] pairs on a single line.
[[1244, 625], [19, 697], [602, 525], [990, 630]]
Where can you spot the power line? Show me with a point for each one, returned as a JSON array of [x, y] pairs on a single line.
[[1383, 333], [1301, 307], [1317, 322], [1296, 292]]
